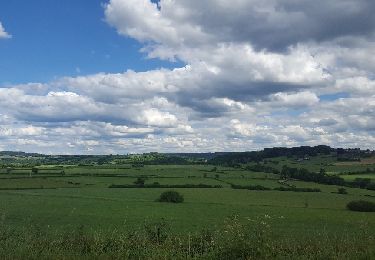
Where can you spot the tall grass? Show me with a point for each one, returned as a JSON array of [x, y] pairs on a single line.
[[234, 240]]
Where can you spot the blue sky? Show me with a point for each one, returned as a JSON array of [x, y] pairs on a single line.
[[96, 77], [51, 39]]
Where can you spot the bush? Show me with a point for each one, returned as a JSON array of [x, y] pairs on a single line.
[[342, 191], [140, 181], [171, 196], [260, 187], [361, 182], [297, 189], [361, 205], [249, 187], [371, 186], [166, 186]]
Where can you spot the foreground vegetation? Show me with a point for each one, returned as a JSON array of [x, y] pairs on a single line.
[[253, 239]]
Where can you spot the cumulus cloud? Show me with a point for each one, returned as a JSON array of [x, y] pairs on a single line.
[[256, 74], [268, 24], [3, 33], [300, 99]]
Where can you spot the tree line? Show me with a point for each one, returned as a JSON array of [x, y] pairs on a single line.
[[323, 178]]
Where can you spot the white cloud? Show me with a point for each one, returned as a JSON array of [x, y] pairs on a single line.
[[356, 85], [300, 99], [3, 33], [153, 117], [243, 129], [267, 24]]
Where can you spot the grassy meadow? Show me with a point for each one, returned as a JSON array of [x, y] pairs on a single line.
[[80, 197]]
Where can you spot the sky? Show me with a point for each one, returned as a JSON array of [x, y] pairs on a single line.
[[133, 76]]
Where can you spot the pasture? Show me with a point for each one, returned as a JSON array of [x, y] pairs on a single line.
[[82, 197]]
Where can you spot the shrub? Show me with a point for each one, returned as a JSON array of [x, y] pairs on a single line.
[[249, 187], [297, 189], [361, 182], [171, 196], [342, 191], [34, 170], [140, 181], [166, 186], [371, 186], [361, 205]]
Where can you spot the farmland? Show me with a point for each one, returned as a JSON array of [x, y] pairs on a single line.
[[56, 198]]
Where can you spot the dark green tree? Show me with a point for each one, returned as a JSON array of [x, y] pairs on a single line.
[[140, 181]]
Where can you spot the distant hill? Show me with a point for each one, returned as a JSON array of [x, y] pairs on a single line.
[[207, 156], [216, 158], [19, 154], [350, 154]]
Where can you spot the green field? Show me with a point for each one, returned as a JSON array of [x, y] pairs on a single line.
[[82, 197]]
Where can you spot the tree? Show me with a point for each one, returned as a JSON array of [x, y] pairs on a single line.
[[34, 171], [140, 181], [284, 174], [361, 205], [171, 196], [361, 182]]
